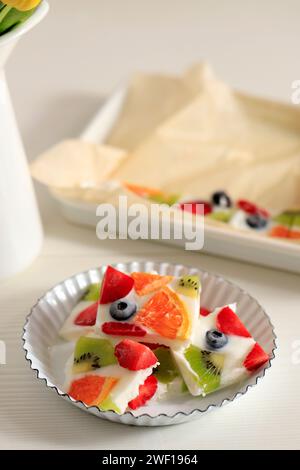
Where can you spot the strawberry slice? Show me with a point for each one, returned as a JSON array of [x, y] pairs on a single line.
[[256, 358], [247, 206], [252, 208], [122, 329], [134, 356], [146, 391], [115, 285], [194, 209], [87, 317], [230, 324], [204, 311]]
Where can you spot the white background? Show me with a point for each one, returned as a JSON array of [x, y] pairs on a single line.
[[58, 75]]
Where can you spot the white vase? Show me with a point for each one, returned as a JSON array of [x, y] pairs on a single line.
[[21, 232]]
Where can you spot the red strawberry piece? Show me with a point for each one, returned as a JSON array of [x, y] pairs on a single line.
[[122, 329], [115, 285], [134, 356], [154, 346], [191, 206], [256, 358], [204, 311], [247, 206], [146, 391], [230, 324], [88, 316]]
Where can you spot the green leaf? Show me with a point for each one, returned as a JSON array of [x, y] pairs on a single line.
[[13, 18]]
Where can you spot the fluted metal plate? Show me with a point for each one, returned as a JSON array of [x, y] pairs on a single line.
[[51, 310]]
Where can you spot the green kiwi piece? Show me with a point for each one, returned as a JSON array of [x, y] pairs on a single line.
[[188, 285], [167, 370], [221, 216], [207, 366], [286, 218], [108, 404], [169, 199], [93, 292], [92, 353]]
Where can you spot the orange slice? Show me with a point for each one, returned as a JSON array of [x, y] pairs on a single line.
[[92, 389], [166, 314], [146, 283], [142, 191]]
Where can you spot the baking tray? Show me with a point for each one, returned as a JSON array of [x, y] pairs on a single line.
[[245, 246]]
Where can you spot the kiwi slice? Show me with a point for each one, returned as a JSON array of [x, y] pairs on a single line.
[[92, 353], [167, 370], [188, 285], [221, 216], [108, 404], [169, 199], [93, 292], [207, 365]]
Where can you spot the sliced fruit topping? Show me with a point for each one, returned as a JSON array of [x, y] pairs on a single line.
[[108, 404], [215, 339], [143, 191], [134, 356], [229, 323], [122, 309], [247, 206], [188, 285], [163, 198], [284, 232], [195, 208], [256, 358], [285, 218], [146, 392], [165, 314], [221, 199], [252, 208], [207, 366], [222, 216], [87, 317], [92, 353], [256, 221], [122, 329], [115, 285], [167, 370], [146, 283], [204, 311], [92, 389], [92, 293], [279, 231]]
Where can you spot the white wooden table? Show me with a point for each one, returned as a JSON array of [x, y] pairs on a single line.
[[63, 80]]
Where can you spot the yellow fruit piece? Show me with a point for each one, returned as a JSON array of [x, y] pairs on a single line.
[[22, 5]]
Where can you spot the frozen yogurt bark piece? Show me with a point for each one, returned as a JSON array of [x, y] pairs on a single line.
[[82, 319], [149, 307], [111, 376], [222, 352]]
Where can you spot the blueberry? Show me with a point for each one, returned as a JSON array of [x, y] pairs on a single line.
[[122, 309], [215, 339], [221, 199], [256, 221]]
